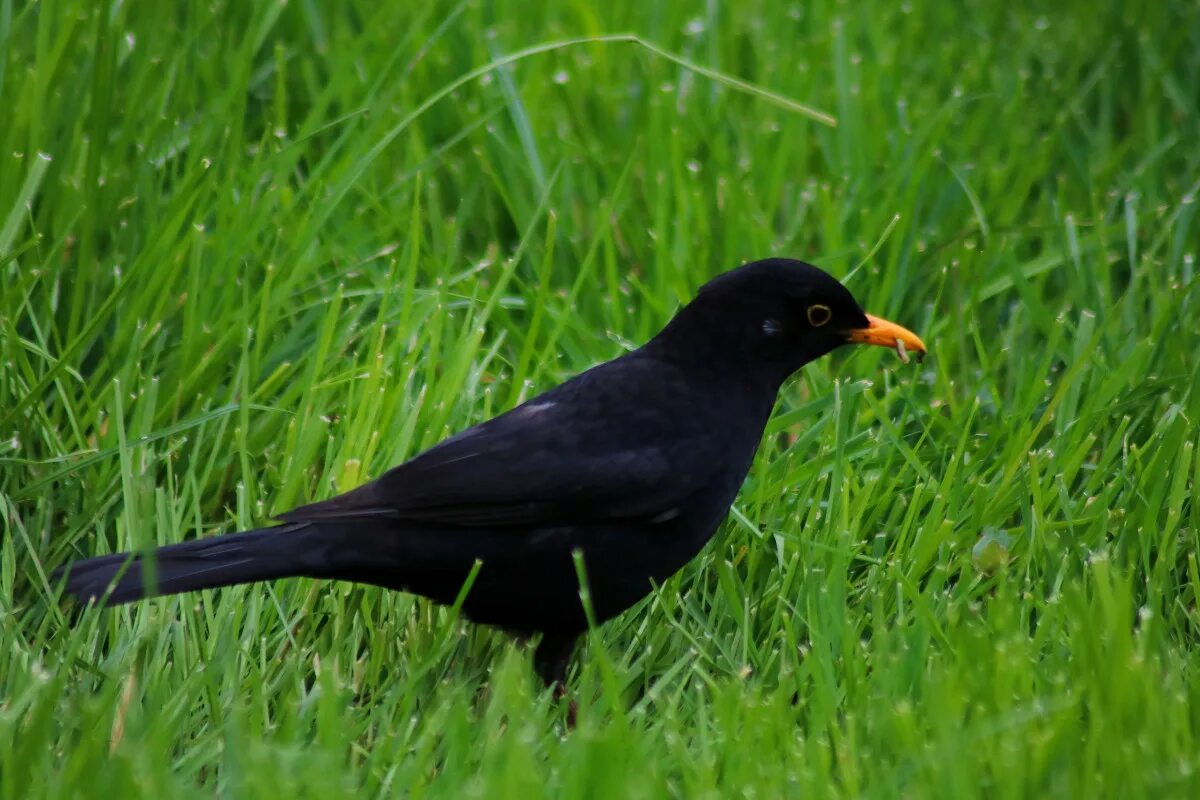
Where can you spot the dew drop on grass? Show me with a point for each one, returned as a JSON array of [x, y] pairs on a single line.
[[991, 550]]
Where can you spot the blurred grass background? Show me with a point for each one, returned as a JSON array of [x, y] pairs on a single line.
[[246, 262]]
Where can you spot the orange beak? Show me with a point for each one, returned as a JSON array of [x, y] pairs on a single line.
[[889, 334]]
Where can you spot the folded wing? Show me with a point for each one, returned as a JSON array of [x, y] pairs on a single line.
[[561, 458]]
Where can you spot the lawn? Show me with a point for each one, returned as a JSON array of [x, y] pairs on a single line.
[[252, 254]]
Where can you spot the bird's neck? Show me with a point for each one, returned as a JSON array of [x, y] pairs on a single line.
[[714, 361]]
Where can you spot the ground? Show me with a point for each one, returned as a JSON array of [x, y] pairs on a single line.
[[252, 254]]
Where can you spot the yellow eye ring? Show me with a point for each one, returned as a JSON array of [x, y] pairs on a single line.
[[818, 315]]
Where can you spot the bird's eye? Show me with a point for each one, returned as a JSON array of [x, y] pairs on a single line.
[[770, 327], [818, 315]]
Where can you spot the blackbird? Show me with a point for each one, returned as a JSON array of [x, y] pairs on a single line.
[[630, 466]]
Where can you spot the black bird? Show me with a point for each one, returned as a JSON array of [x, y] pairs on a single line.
[[633, 464]]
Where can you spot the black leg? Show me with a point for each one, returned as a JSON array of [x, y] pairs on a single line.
[[550, 661], [552, 657]]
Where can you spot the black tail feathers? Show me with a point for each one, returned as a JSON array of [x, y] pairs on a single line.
[[277, 552]]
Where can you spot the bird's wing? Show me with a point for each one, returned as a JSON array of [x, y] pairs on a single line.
[[593, 449]]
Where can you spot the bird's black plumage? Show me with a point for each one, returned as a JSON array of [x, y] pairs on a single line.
[[633, 464]]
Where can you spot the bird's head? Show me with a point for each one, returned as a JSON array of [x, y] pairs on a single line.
[[775, 316]]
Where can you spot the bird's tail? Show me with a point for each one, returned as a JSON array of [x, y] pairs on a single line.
[[277, 552]]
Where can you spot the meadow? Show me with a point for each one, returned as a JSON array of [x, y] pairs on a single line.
[[252, 254]]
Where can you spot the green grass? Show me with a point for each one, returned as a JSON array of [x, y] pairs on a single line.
[[253, 254]]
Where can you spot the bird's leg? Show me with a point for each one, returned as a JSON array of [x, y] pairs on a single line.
[[550, 661]]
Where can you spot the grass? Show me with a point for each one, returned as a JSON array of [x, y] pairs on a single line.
[[252, 254]]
